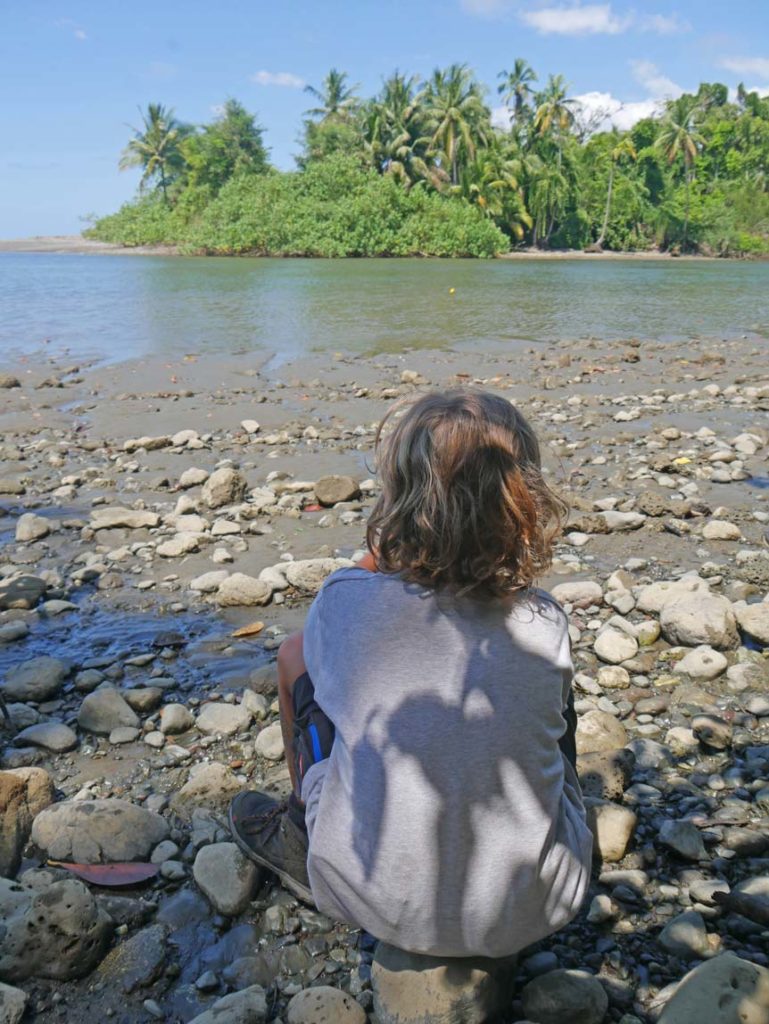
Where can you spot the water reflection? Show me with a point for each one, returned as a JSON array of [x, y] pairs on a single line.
[[117, 307]]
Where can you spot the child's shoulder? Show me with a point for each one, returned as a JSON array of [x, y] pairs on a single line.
[[545, 607]]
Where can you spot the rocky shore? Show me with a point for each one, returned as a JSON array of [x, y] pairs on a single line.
[[163, 524]]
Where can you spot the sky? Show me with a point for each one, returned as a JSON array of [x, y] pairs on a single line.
[[73, 73]]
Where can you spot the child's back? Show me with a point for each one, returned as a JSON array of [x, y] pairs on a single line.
[[446, 819]]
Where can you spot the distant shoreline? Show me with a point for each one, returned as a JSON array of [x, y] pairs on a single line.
[[77, 245]]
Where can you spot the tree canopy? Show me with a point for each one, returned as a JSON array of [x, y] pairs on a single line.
[[692, 177]]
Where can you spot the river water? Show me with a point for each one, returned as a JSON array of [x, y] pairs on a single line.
[[116, 307]]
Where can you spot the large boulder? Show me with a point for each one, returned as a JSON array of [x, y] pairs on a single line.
[[561, 996], [38, 679], [655, 596], [57, 931], [725, 990], [699, 618], [413, 989], [248, 1006], [224, 487], [24, 793], [98, 831]]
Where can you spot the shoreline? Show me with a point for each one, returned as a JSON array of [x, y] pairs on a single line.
[[79, 246]]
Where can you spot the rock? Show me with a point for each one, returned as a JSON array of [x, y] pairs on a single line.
[[699, 619], [53, 736], [223, 719], [56, 932], [181, 544], [11, 631], [650, 754], [717, 529], [13, 1002], [10, 486], [754, 620], [30, 527], [612, 826], [24, 793], [702, 663], [413, 989], [226, 877], [104, 710], [573, 996], [175, 718], [713, 731], [308, 574], [269, 742], [655, 596], [598, 731], [209, 581], [149, 444], [602, 909], [38, 679], [8, 381], [209, 785], [725, 990], [98, 831], [246, 1007], [135, 963], [192, 477], [22, 591], [683, 838], [621, 521], [605, 776], [124, 734], [250, 426], [107, 518], [613, 646], [224, 487], [324, 1005], [613, 677], [331, 489], [144, 699], [579, 593], [240, 589], [685, 936]]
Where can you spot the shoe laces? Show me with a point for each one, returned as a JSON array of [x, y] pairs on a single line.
[[267, 821]]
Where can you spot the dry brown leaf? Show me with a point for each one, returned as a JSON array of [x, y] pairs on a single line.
[[111, 875], [250, 630]]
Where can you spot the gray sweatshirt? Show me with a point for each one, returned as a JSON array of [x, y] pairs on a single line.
[[446, 820]]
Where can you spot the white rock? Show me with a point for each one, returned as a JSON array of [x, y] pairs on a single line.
[[717, 529], [620, 521], [702, 663], [269, 742], [209, 581], [250, 426], [726, 989], [30, 527], [123, 518], [754, 620], [223, 719], [699, 618], [239, 589], [578, 593], [181, 544], [614, 646]]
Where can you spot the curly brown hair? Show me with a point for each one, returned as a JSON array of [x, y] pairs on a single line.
[[464, 504]]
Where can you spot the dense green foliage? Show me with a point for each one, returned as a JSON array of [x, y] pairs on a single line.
[[420, 169]]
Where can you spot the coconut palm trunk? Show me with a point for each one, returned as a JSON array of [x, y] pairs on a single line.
[[602, 237]]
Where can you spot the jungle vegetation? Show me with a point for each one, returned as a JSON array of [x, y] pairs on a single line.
[[420, 168]]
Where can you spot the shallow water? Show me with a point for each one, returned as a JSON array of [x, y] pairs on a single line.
[[118, 307]]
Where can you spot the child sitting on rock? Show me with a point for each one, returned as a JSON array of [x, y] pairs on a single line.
[[427, 706]]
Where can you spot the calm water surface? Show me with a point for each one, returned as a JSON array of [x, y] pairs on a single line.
[[117, 307]]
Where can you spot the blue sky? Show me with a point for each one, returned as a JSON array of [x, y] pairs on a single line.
[[73, 73]]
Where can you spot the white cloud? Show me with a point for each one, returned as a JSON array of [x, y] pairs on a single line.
[[282, 78], [659, 86], [80, 34], [602, 110], [665, 24], [500, 117], [72, 26], [592, 19], [758, 66]]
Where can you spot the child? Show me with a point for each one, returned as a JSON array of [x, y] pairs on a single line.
[[427, 706]]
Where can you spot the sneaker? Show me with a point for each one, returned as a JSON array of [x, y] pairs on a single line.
[[266, 834]]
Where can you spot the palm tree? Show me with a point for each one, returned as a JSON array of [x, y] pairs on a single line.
[[679, 138], [546, 197], [395, 135], [515, 87], [555, 111], [336, 98], [156, 146], [623, 148], [458, 118], [492, 182]]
